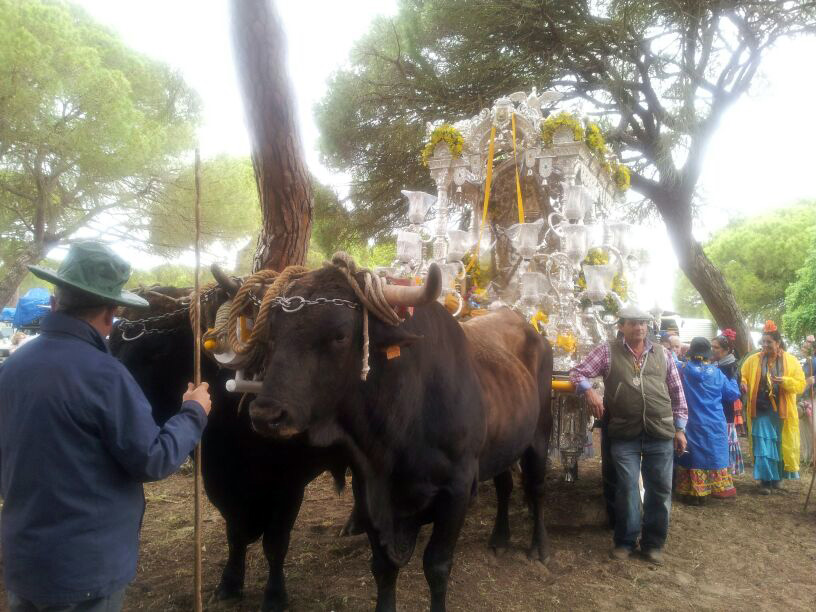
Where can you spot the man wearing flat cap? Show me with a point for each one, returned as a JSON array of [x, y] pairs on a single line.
[[645, 415], [77, 440]]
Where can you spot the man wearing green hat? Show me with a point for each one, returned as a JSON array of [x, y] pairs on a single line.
[[77, 440], [644, 411]]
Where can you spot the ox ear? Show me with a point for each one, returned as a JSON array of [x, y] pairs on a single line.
[[388, 336]]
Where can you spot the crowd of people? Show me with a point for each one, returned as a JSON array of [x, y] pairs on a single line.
[[662, 396]]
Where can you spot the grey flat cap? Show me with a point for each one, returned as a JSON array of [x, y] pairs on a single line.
[[634, 313]]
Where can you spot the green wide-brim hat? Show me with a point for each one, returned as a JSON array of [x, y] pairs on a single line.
[[94, 268]]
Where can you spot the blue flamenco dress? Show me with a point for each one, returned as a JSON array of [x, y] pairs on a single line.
[[703, 470]]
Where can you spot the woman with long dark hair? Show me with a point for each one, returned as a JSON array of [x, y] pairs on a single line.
[[722, 351], [772, 379]]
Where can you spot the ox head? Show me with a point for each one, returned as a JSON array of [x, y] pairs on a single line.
[[314, 355], [159, 353]]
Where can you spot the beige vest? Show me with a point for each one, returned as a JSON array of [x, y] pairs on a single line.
[[638, 408]]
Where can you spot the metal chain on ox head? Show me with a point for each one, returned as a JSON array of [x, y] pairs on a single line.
[[295, 303], [142, 324]]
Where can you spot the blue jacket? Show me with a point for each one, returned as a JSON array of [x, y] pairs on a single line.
[[77, 440], [706, 387]]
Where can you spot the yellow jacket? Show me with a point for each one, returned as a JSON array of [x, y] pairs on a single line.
[[793, 383]]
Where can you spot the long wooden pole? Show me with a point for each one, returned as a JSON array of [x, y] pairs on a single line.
[[199, 606]]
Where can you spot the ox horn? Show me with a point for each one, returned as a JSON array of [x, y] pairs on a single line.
[[398, 295], [163, 296], [224, 280]]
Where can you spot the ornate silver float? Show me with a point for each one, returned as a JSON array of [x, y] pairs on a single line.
[[525, 191]]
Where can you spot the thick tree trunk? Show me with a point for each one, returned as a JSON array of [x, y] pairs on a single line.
[[283, 180], [15, 274], [701, 272]]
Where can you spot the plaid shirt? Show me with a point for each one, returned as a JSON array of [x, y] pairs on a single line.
[[598, 361]]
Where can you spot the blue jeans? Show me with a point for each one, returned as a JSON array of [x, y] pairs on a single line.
[[111, 603], [654, 459]]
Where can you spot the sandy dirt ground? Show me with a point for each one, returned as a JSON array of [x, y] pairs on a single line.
[[753, 552]]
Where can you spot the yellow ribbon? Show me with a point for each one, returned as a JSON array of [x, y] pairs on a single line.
[[488, 183], [515, 162]]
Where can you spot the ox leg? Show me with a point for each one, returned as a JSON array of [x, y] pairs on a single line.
[[231, 585], [357, 520], [275, 545], [438, 558], [500, 538], [534, 469], [355, 525], [385, 574]]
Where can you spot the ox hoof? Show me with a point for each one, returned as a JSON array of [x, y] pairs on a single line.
[[351, 528], [498, 551], [275, 604], [226, 593], [499, 542], [275, 599], [539, 554]]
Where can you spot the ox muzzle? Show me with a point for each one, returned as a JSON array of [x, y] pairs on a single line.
[[270, 419]]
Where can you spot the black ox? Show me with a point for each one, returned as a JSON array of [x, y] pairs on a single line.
[[257, 484], [460, 404]]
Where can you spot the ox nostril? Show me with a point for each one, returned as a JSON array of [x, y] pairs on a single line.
[[267, 414], [277, 417]]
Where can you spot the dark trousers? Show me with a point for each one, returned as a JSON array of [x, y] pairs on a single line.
[[111, 603], [653, 458]]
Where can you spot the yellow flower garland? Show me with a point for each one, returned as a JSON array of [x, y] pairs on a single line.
[[445, 132], [561, 119], [621, 176], [593, 138]]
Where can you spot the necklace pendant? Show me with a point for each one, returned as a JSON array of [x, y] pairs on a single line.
[[636, 381]]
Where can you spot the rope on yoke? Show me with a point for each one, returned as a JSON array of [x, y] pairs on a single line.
[[372, 299]]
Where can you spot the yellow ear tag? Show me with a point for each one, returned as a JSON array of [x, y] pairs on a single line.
[[392, 352], [210, 344]]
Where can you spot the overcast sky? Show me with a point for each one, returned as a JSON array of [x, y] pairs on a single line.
[[761, 157]]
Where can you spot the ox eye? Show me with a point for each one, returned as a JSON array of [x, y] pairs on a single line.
[[339, 339]]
